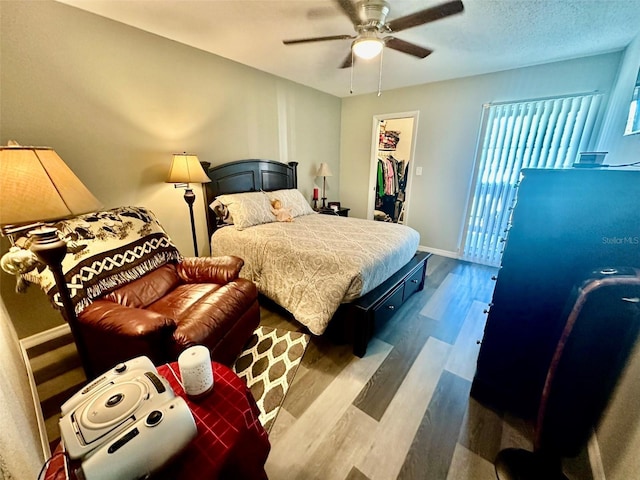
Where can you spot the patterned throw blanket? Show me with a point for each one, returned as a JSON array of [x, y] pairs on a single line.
[[105, 251]]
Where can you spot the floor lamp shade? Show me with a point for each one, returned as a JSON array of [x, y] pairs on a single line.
[[36, 185], [186, 168]]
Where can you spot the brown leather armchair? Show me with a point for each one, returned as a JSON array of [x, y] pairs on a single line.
[[196, 301]]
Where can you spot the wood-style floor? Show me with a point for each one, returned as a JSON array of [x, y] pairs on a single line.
[[403, 411]]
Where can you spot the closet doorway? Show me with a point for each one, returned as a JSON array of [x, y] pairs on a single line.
[[392, 152]]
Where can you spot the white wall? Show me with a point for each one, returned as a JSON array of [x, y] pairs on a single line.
[[21, 453], [447, 136], [115, 102]]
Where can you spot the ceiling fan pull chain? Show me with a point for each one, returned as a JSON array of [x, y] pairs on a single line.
[[353, 66], [380, 74]]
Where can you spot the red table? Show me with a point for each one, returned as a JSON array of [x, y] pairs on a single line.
[[230, 443]]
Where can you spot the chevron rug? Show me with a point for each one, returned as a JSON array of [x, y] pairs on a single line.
[[267, 365]]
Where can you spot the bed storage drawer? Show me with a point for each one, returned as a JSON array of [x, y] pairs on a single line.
[[388, 307], [413, 283]]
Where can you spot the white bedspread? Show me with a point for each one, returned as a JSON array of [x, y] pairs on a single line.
[[316, 262]]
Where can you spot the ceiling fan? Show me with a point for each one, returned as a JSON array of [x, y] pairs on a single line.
[[369, 18]]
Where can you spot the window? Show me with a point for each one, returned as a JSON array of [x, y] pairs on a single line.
[[633, 121], [546, 133]]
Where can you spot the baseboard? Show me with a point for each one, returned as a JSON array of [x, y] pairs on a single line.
[[595, 458], [437, 251], [45, 336]]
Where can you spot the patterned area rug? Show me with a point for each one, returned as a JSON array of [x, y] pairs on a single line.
[[267, 365]]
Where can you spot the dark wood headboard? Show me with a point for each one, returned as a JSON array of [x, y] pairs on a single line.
[[247, 176]]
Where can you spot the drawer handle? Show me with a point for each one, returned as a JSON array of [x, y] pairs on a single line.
[[391, 307], [414, 281]]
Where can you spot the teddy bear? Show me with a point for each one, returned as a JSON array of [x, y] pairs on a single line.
[[281, 213]]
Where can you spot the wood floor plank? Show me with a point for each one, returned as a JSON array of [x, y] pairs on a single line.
[[408, 341], [464, 354], [346, 443], [356, 474], [444, 295], [55, 362], [466, 465], [322, 362], [289, 455], [517, 432], [433, 447], [481, 431], [402, 418]]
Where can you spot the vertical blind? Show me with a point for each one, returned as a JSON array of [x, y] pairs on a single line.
[[546, 133]]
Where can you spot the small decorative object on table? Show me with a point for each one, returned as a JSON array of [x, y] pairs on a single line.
[[196, 372]]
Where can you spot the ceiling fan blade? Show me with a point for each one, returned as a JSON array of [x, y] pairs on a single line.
[[317, 39], [350, 10], [425, 16], [348, 61], [407, 47]]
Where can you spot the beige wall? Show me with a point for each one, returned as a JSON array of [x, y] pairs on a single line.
[[115, 102], [447, 134]]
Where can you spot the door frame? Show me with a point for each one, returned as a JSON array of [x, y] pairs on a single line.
[[373, 172]]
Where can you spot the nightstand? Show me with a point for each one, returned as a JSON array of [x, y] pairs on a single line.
[[343, 212]]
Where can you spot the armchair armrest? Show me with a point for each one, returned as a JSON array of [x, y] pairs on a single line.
[[222, 269], [126, 321]]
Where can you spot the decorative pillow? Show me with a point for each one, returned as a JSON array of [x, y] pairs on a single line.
[[248, 209], [105, 250], [292, 199]]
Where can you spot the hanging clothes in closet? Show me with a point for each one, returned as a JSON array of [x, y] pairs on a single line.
[[390, 187]]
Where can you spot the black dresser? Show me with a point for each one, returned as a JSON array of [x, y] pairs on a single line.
[[566, 223]]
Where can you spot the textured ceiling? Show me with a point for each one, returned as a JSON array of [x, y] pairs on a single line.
[[490, 35]]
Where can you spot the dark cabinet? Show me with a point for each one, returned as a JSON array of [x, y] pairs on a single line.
[[566, 223]]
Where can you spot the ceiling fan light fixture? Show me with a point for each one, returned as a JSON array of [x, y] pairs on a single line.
[[367, 48]]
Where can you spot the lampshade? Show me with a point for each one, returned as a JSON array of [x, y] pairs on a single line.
[[324, 171], [186, 168], [367, 47], [36, 185]]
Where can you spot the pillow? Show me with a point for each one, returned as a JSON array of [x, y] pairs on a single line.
[[292, 199], [248, 209]]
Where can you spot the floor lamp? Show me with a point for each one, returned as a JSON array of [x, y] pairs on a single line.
[[186, 169], [36, 186], [324, 172]]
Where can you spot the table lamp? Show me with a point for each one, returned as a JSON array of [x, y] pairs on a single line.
[[186, 169], [324, 172], [36, 186]]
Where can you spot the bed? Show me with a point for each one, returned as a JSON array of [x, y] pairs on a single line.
[[330, 272]]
